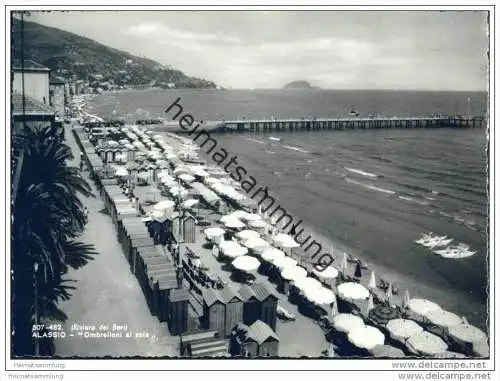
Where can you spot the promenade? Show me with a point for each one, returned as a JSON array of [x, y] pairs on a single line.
[[106, 293]]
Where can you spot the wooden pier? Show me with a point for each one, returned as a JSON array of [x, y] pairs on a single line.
[[346, 124], [316, 124]]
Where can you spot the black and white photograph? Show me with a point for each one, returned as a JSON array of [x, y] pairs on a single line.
[[245, 183]]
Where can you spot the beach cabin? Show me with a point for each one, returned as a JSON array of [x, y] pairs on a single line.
[[259, 303], [214, 311], [177, 313], [162, 279], [233, 310], [256, 340]]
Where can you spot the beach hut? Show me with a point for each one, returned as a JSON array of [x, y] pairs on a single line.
[[178, 311], [233, 308], [256, 340], [259, 303], [214, 311], [162, 279]]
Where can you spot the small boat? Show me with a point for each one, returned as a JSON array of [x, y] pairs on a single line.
[[425, 238], [457, 252], [275, 139], [353, 112]]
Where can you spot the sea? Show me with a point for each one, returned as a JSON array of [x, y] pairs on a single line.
[[370, 192]]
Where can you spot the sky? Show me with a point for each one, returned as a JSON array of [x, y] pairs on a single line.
[[407, 50]]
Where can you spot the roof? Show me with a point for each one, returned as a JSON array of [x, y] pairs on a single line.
[[211, 296], [29, 65], [32, 106], [260, 291], [56, 81], [228, 293], [179, 294], [260, 332]]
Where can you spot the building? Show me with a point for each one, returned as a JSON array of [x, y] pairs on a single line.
[[257, 340], [259, 303], [36, 80], [57, 95], [32, 113]]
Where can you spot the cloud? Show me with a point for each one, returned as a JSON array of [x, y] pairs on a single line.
[[163, 30]]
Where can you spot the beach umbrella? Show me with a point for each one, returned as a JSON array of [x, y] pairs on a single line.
[[328, 273], [388, 293], [443, 318], [246, 263], [233, 249], [211, 233], [481, 349], [366, 337], [187, 178], [252, 217], [290, 244], [121, 172], [319, 295], [387, 351], [426, 344], [247, 234], [372, 283], [418, 308], [272, 254], [335, 308], [284, 262], [467, 333], [189, 203], [240, 214], [305, 283], [293, 272], [234, 223], [227, 217], [282, 239], [347, 322], [369, 304], [352, 291], [258, 224], [343, 265], [180, 170], [331, 351], [382, 314], [406, 299], [164, 205], [254, 243], [402, 329]]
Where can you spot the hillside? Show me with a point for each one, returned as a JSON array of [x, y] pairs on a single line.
[[299, 85], [70, 55]]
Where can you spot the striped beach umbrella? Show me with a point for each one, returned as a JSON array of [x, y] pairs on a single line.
[[369, 304], [406, 299], [382, 314], [372, 283], [343, 265]]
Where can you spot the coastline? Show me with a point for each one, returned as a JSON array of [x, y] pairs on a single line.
[[416, 287]]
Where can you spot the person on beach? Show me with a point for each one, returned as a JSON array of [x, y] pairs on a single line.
[[357, 272]]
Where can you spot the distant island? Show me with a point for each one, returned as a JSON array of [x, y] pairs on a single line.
[[300, 85], [78, 58]]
